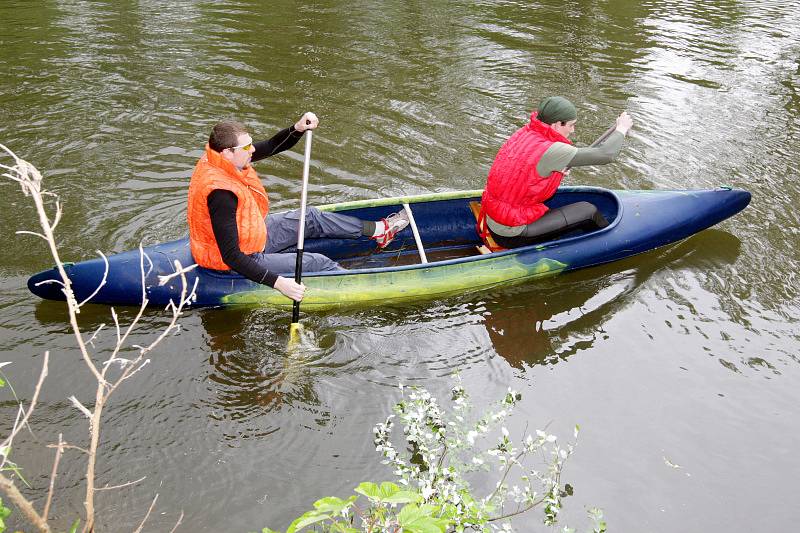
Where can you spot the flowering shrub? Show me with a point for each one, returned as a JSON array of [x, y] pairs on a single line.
[[440, 450]]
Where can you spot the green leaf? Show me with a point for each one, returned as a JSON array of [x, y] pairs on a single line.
[[333, 505], [75, 525], [268, 530], [2, 382], [368, 489], [404, 496], [417, 519], [311, 517], [387, 492]]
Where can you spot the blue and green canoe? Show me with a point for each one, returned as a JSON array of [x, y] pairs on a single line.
[[639, 221]]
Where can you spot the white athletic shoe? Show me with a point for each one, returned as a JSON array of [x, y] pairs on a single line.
[[392, 225]]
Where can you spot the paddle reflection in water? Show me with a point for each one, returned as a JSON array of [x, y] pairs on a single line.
[[556, 318]]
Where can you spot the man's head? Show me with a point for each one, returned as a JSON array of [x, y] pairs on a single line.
[[232, 141], [559, 114]]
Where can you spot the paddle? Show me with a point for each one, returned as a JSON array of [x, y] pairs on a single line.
[[294, 328]]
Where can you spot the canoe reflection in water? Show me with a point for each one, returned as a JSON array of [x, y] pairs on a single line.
[[551, 320]]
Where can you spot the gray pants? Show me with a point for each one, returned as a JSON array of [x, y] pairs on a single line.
[[282, 228]]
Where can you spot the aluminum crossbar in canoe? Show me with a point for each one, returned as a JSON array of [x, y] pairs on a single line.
[[639, 221]]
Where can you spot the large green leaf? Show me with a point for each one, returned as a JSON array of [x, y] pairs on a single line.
[[387, 492], [308, 518], [333, 505], [418, 519]]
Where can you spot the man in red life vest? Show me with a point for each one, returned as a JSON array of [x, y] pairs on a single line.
[[228, 207], [529, 168]]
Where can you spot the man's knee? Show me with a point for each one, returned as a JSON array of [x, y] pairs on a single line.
[[581, 213], [313, 262]]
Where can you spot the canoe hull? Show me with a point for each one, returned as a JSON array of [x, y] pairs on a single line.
[[641, 221]]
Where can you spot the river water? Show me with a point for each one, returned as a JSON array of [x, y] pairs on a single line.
[[680, 365]]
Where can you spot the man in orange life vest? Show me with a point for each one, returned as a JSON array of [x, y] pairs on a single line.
[[529, 168], [228, 206]]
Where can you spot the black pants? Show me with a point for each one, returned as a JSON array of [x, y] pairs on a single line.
[[578, 216]]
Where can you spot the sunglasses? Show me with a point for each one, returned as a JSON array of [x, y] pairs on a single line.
[[245, 147]]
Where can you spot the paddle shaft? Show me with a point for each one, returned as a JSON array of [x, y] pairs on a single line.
[[301, 230]]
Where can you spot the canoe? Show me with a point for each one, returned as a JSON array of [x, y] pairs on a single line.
[[639, 221]]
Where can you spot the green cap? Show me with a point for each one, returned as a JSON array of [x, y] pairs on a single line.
[[556, 109]]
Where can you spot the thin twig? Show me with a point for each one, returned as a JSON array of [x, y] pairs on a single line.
[[162, 280], [57, 217], [96, 332], [34, 233], [121, 339], [47, 281], [129, 483], [176, 312], [180, 519], [86, 412], [69, 447], [24, 422], [152, 504], [515, 513], [102, 281], [53, 474]]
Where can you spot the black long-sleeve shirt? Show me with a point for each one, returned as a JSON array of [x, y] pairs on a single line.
[[222, 207]]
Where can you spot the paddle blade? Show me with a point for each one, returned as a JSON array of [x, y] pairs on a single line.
[[295, 333]]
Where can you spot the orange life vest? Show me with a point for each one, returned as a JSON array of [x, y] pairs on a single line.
[[214, 172]]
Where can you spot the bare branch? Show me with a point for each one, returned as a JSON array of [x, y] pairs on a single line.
[[22, 503], [102, 281], [180, 519], [116, 325], [96, 332], [162, 280], [45, 282], [127, 374], [36, 391], [57, 217], [30, 180], [128, 484], [5, 449], [80, 406], [53, 474], [121, 361], [69, 447], [35, 234], [152, 504]]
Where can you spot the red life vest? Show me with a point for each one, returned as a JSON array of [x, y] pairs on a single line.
[[215, 172], [514, 190]]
